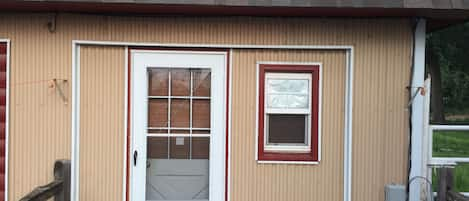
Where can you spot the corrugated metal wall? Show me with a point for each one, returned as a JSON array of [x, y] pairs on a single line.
[[39, 126], [40, 121], [278, 182], [102, 133]]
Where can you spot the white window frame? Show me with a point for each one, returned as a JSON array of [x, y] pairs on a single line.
[[284, 147]]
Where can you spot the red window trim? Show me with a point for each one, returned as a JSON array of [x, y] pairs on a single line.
[[3, 102], [311, 156]]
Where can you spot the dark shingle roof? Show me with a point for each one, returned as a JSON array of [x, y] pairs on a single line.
[[439, 13], [431, 4]]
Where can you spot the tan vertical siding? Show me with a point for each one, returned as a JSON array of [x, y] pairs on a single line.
[[40, 121], [278, 182], [380, 113], [102, 134]]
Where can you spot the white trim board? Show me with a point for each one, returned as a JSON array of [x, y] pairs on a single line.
[[348, 103], [75, 159], [348, 126], [450, 127], [7, 113], [126, 106], [227, 46]]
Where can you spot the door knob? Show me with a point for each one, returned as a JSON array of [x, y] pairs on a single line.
[[135, 157]]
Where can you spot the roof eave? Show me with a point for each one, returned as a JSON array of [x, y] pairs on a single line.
[[442, 16]]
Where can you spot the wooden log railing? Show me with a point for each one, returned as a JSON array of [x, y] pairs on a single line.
[[59, 188], [446, 192], [454, 196]]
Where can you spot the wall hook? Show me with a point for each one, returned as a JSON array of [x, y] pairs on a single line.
[[55, 84]]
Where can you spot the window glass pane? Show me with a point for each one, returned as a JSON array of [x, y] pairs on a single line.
[[179, 147], [158, 131], [287, 86], [450, 143], [201, 82], [287, 101], [158, 82], [157, 147], [198, 132], [180, 113], [180, 79], [201, 114], [179, 131], [200, 147], [285, 93], [286, 128], [158, 112]]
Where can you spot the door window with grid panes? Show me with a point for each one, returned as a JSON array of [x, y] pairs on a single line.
[[178, 113], [178, 133]]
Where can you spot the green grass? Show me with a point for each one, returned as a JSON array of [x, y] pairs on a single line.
[[461, 178], [452, 144]]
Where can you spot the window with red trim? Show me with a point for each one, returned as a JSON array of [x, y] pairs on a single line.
[[288, 112]]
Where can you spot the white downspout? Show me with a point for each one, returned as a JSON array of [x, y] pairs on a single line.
[[417, 119]]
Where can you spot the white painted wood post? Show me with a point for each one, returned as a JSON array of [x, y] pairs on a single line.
[[427, 140], [418, 112]]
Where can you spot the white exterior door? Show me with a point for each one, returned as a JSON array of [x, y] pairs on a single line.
[[177, 125]]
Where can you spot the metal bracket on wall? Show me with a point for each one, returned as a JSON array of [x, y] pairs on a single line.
[[51, 25], [56, 85], [421, 89]]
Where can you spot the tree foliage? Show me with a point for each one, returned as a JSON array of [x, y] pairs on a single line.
[[451, 46]]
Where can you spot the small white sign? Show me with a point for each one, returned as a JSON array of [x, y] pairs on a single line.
[[180, 141]]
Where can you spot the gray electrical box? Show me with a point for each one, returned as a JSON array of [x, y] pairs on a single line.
[[394, 192]]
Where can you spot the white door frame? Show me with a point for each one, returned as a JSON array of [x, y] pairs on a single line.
[[140, 61]]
